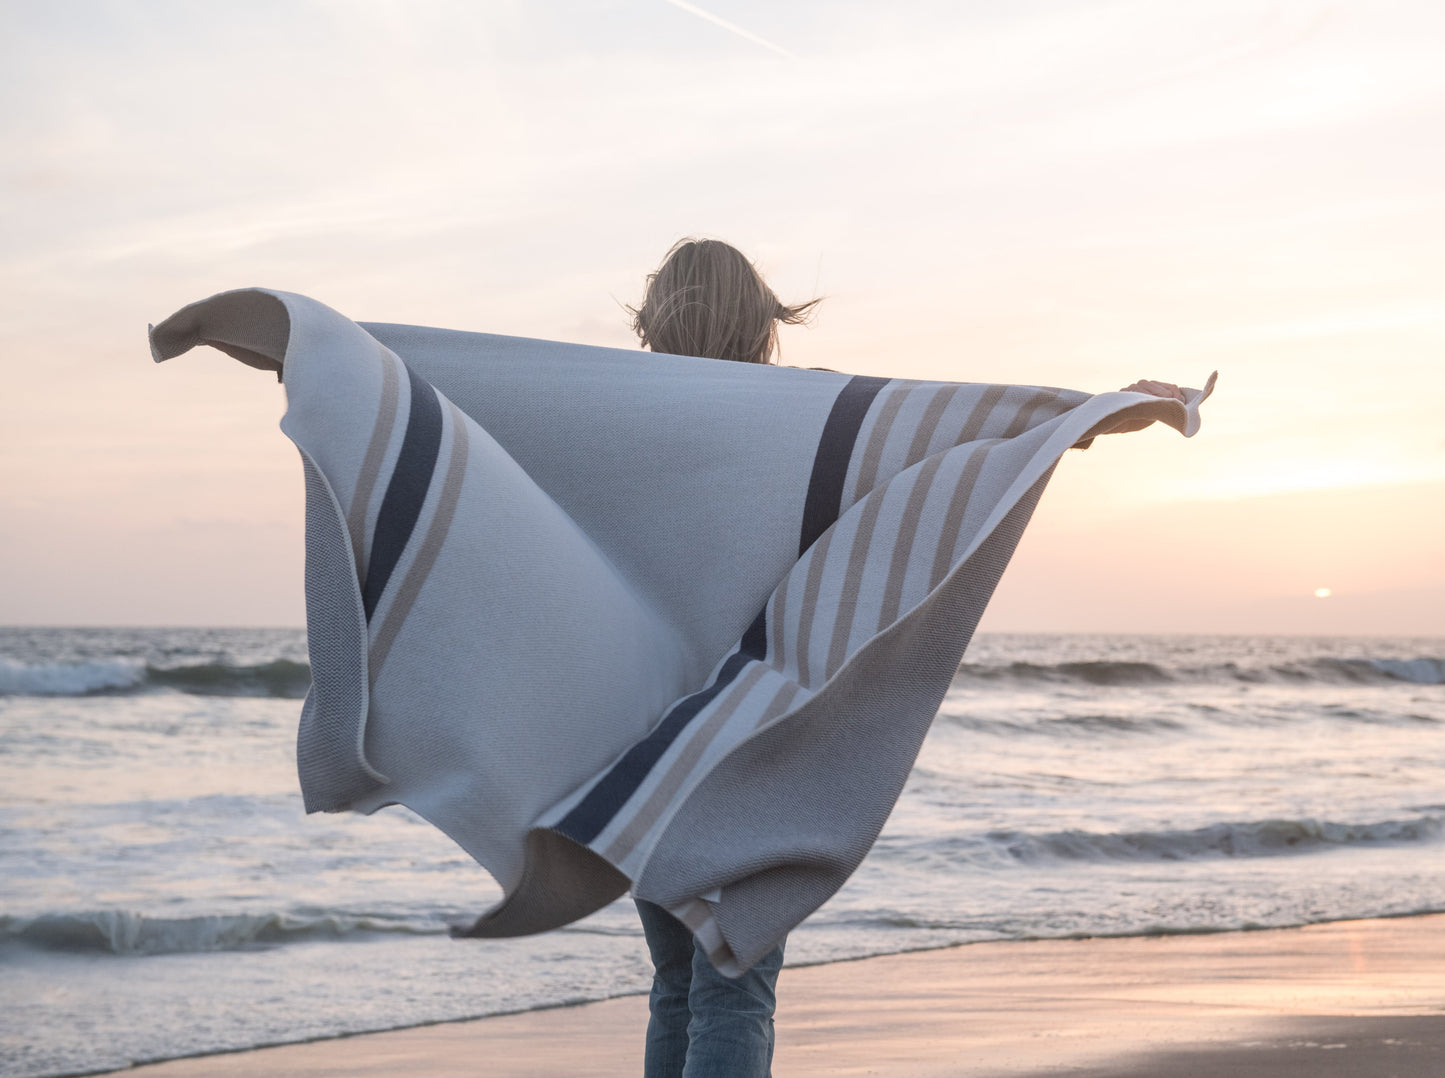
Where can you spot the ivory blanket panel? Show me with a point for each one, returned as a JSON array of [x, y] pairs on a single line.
[[617, 620]]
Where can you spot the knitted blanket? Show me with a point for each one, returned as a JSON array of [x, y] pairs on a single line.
[[613, 620]]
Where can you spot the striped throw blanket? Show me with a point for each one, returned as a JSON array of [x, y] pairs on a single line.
[[614, 620]]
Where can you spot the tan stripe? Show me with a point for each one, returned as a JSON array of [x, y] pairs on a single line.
[[780, 703], [958, 506], [933, 413], [928, 424], [848, 600], [1026, 413], [777, 638], [973, 426], [695, 914], [873, 451], [682, 765], [819, 551], [953, 519], [371, 463], [431, 546], [903, 547]]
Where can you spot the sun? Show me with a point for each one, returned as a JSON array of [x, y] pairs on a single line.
[[1323, 593]]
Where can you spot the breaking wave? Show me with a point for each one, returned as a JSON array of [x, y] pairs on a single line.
[[1424, 670], [123, 932], [1257, 838], [279, 677]]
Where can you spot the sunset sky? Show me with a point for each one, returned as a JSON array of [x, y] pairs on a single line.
[[1067, 193]]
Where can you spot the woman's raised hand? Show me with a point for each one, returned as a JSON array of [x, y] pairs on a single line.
[[1167, 390], [1155, 389]]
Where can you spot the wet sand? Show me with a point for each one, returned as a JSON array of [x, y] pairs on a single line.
[[1354, 998]]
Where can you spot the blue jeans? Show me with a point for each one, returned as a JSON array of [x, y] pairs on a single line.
[[705, 1025]]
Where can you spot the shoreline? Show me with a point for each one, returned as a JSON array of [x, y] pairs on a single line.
[[1345, 996]]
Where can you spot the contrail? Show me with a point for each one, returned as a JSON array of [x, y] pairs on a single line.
[[748, 34]]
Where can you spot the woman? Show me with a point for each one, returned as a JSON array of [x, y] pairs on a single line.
[[708, 300]]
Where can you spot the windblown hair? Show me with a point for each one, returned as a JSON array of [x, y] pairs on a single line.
[[708, 300]]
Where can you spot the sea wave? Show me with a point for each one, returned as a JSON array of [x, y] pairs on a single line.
[[1422, 670], [279, 677], [68, 679], [124, 932], [1254, 838], [289, 679]]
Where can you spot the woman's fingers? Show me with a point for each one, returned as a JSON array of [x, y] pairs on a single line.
[[1155, 389]]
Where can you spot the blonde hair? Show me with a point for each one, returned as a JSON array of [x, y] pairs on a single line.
[[707, 299]]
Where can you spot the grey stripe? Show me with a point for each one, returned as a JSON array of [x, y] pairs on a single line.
[[1026, 414], [682, 766], [431, 546], [777, 639], [957, 506], [853, 574], [781, 702], [819, 551], [928, 424], [973, 426], [371, 463], [873, 452], [903, 548]]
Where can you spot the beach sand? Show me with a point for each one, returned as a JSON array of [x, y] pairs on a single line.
[[1364, 999]]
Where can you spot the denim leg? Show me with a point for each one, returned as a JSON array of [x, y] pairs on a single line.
[[731, 1032], [670, 944]]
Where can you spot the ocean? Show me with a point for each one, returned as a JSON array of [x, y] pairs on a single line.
[[162, 893]]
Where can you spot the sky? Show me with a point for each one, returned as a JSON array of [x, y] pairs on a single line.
[[1072, 193]]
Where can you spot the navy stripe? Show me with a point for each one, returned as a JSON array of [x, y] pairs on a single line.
[[406, 491], [835, 452], [590, 815], [824, 498]]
